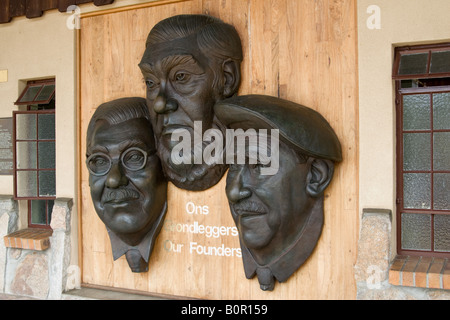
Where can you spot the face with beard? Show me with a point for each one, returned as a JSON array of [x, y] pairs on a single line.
[[179, 93], [126, 181], [184, 80]]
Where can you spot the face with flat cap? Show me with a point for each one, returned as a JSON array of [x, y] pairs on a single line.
[[270, 210], [273, 211]]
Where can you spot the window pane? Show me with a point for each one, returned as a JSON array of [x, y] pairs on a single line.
[[38, 212], [46, 92], [416, 112], [46, 124], [441, 191], [442, 233], [440, 62], [417, 151], [441, 151], [47, 184], [26, 183], [413, 63], [417, 190], [26, 126], [26, 155], [31, 93], [416, 232], [441, 110], [47, 155]]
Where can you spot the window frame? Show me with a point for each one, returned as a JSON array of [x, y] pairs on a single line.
[[37, 140], [29, 111], [400, 51], [42, 84], [400, 172], [399, 94], [47, 215]]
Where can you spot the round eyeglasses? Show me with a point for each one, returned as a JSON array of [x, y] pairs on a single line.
[[133, 159]]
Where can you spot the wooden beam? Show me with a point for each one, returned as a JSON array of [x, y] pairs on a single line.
[[64, 4], [36, 8], [49, 4], [5, 17], [33, 9], [17, 8], [102, 2]]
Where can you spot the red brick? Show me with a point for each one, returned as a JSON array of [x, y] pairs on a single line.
[[395, 270], [446, 275], [408, 271], [32, 239], [421, 272], [434, 274]]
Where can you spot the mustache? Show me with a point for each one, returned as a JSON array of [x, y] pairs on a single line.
[[120, 195], [249, 206]]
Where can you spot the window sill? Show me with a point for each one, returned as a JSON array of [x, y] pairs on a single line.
[[420, 272], [31, 239]]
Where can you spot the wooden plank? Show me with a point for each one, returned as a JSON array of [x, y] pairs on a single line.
[[33, 9], [5, 16], [36, 8], [64, 4], [17, 8], [49, 4], [101, 2], [300, 50]]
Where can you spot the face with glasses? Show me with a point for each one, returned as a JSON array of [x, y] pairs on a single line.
[[125, 176], [132, 159]]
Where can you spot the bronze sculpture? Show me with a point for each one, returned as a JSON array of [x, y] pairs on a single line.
[[191, 67], [279, 216], [128, 188], [190, 62]]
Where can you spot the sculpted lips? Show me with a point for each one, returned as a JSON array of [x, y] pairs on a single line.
[[249, 208], [120, 196], [168, 130]]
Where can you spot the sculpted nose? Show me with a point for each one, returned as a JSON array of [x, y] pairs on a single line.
[[116, 177], [235, 189], [163, 104]]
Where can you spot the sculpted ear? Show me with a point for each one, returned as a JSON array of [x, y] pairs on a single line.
[[232, 77], [319, 176]]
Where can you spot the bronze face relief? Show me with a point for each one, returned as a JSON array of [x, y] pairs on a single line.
[[190, 62], [280, 215], [128, 188]]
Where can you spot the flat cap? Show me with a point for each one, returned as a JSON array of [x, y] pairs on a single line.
[[302, 128]]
